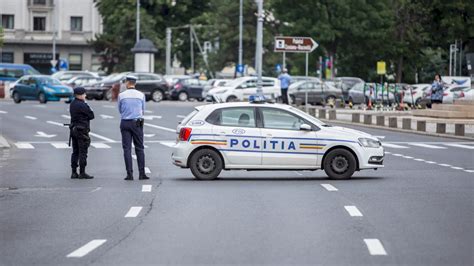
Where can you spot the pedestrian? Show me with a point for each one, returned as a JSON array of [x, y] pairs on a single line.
[[437, 90], [81, 115], [285, 80], [131, 104]]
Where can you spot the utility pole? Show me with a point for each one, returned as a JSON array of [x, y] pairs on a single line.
[[241, 21], [54, 62], [191, 41], [168, 51], [259, 47], [138, 20]]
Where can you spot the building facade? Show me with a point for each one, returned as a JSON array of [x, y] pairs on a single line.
[[28, 27]]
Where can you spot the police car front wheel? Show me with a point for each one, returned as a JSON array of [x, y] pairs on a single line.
[[340, 164], [206, 164]]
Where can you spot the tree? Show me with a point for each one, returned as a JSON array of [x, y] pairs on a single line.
[[1, 36]]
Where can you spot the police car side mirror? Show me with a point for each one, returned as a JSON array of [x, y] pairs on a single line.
[[305, 127]]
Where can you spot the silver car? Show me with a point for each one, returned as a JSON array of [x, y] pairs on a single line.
[[317, 92]]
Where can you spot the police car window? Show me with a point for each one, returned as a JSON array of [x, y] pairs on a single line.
[[279, 119], [236, 117], [251, 83]]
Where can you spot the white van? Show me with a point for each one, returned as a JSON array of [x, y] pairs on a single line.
[[241, 88]]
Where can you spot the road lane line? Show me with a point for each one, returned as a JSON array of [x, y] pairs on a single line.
[[168, 143], [55, 123], [148, 111], [430, 162], [387, 152], [407, 157], [329, 187], [66, 116], [457, 168], [147, 170], [375, 247], [397, 154], [445, 165], [96, 189], [181, 116], [353, 211], [87, 248], [429, 146], [133, 212], [30, 117], [99, 145], [59, 145], [146, 188], [395, 146], [419, 160], [22, 145], [469, 171], [101, 137], [160, 127], [3, 112], [459, 146], [134, 156]]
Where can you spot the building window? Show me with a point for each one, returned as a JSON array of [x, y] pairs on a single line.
[[39, 2], [6, 57], [39, 23], [75, 61], [8, 21], [76, 23]]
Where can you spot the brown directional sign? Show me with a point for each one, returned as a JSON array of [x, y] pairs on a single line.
[[295, 44]]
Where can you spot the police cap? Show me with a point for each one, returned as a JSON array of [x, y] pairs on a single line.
[[130, 78], [79, 91]]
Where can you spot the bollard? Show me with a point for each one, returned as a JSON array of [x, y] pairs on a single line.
[[459, 129], [368, 119], [392, 122], [322, 113], [380, 119], [421, 126], [312, 111], [356, 118], [441, 128], [3, 89], [332, 114], [406, 123]]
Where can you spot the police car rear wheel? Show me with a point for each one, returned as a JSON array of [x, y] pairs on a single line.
[[206, 164], [340, 164]]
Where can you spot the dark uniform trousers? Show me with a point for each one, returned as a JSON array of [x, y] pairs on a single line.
[[284, 95], [132, 131], [80, 144]]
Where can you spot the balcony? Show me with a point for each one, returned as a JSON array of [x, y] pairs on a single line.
[[40, 4]]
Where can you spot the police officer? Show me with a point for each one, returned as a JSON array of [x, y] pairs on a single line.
[[81, 114], [131, 104], [285, 80]]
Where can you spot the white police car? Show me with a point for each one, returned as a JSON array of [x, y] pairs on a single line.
[[264, 136]]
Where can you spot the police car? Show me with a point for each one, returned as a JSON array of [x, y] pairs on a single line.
[[264, 136]]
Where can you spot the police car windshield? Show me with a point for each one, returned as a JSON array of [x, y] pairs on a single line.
[[308, 117]]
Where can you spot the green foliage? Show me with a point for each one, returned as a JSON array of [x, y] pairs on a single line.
[[1, 36]]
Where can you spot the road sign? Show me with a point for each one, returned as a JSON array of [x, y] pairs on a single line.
[[63, 64], [53, 62], [239, 68], [295, 44], [381, 70]]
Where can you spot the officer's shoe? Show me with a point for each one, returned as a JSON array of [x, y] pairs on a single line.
[[129, 177], [85, 176], [143, 177], [74, 175]]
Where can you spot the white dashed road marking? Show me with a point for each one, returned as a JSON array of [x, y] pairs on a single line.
[[101, 137], [55, 123], [160, 127], [460, 146], [419, 160], [146, 188], [395, 146], [445, 165], [469, 171], [407, 157], [398, 155], [375, 246], [30, 117], [181, 116], [66, 116], [20, 145], [99, 145], [430, 162], [147, 170], [168, 143], [87, 248], [59, 145], [3, 112], [133, 212], [457, 168], [353, 211], [429, 146], [96, 189], [329, 187]]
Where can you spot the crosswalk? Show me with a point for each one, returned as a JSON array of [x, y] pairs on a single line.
[[170, 143]]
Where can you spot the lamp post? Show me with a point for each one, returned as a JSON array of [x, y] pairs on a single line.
[[259, 46], [241, 19], [138, 21]]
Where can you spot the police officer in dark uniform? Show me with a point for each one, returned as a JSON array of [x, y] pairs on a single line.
[[81, 114], [131, 104]]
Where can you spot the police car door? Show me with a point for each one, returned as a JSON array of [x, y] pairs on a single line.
[[236, 126], [285, 143]]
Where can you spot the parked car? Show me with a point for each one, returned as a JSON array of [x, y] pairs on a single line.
[[318, 93], [357, 96], [172, 79], [345, 84], [241, 88], [66, 75], [186, 89], [414, 94], [12, 72], [295, 79], [81, 81], [103, 90], [42, 88], [213, 83]]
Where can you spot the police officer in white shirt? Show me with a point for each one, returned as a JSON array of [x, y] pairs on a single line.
[[131, 104]]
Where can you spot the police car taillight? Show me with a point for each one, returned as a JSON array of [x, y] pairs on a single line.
[[185, 133]]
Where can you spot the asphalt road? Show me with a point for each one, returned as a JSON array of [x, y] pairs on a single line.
[[416, 210]]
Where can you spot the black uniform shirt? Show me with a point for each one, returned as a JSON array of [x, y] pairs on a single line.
[[81, 113]]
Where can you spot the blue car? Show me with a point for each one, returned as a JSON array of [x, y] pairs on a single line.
[[42, 88], [12, 72]]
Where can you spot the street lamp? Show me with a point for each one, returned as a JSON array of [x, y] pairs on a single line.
[[259, 49]]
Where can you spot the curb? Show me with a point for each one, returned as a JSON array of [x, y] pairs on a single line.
[[4, 143], [399, 129]]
